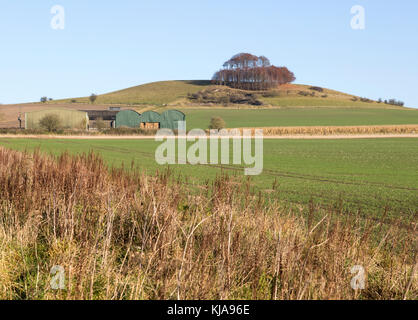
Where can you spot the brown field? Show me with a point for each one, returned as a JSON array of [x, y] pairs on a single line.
[[120, 235]]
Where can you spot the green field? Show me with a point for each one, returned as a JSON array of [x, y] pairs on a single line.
[[372, 174], [288, 117]]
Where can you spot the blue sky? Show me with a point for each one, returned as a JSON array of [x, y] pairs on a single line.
[[111, 45]]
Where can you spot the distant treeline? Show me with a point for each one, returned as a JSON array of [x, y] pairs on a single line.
[[249, 72], [392, 102]]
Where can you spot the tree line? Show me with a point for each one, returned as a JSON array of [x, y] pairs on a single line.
[[249, 72]]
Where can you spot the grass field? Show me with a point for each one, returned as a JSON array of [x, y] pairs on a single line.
[[199, 118], [372, 174]]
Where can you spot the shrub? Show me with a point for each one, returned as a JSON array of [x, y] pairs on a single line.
[[50, 122], [100, 124], [93, 98], [366, 100], [217, 123], [224, 97], [44, 99], [319, 89]]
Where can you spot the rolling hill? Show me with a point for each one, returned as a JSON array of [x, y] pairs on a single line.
[[288, 105], [176, 93]]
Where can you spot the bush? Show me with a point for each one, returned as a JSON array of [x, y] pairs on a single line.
[[93, 98], [225, 97], [100, 124], [366, 100], [51, 123], [319, 89], [217, 123], [44, 99]]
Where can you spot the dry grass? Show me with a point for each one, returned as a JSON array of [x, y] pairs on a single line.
[[334, 130], [122, 235]]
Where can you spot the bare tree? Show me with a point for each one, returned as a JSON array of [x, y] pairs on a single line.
[[51, 123]]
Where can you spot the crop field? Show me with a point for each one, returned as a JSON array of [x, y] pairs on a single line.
[[199, 118], [378, 176]]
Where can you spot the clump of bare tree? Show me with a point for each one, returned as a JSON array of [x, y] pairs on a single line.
[[51, 123], [249, 72]]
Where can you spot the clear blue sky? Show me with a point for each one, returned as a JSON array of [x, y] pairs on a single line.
[[110, 45]]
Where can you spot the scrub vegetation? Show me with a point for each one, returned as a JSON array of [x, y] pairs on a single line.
[[127, 235]]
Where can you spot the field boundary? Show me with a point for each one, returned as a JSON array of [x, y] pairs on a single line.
[[136, 137]]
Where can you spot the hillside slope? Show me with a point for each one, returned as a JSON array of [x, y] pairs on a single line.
[[176, 93]]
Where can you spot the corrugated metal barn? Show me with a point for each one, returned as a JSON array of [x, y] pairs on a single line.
[[171, 118], [70, 119], [150, 120], [128, 118]]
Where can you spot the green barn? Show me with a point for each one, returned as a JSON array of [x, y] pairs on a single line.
[[69, 119], [149, 119], [171, 118], [128, 119]]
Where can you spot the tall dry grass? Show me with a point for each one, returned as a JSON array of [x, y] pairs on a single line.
[[121, 235], [339, 130]]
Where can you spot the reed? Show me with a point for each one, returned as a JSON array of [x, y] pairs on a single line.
[[334, 130], [126, 235]]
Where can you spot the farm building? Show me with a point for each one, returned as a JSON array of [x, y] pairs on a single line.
[[170, 119], [106, 117], [149, 119], [128, 118], [69, 119]]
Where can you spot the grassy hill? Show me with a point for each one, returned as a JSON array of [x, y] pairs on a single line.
[[287, 105], [155, 93], [176, 93]]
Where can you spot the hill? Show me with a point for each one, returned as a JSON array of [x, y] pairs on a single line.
[[177, 92], [287, 105]]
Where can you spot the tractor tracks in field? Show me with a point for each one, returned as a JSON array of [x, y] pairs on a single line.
[[269, 172]]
